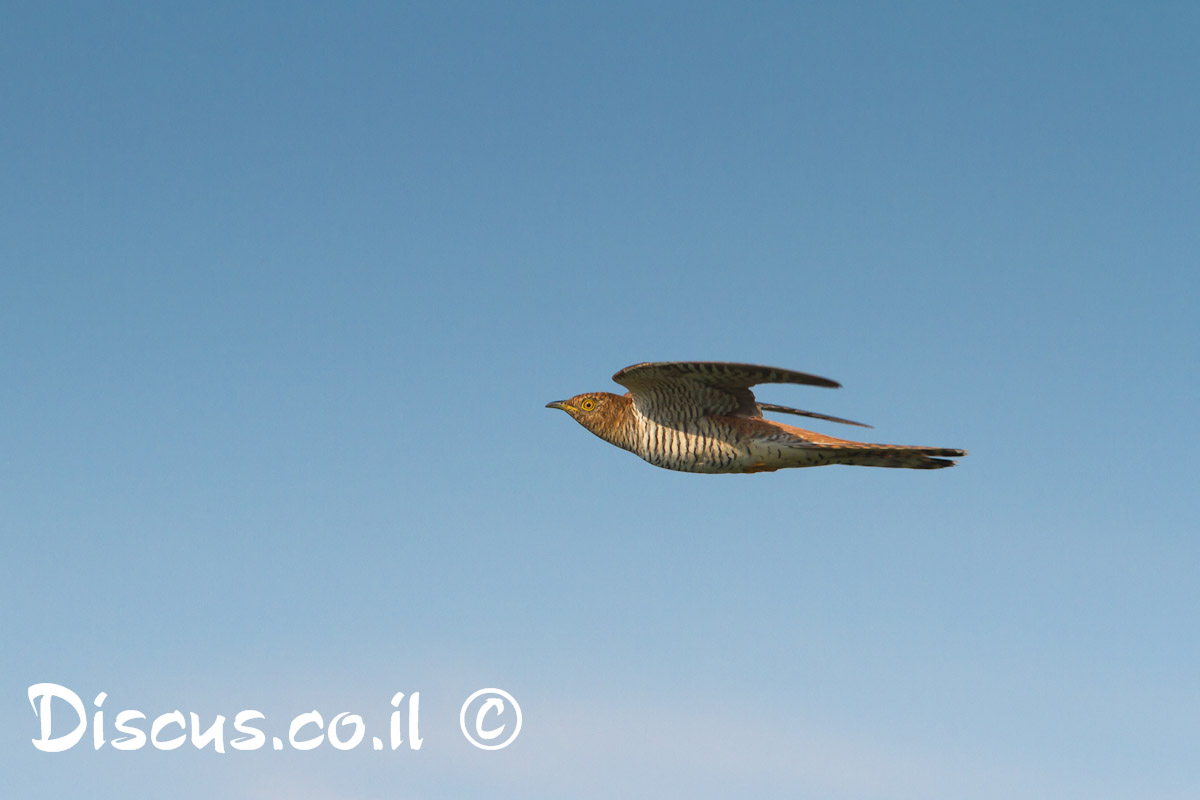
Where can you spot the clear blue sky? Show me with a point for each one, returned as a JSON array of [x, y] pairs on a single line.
[[286, 286]]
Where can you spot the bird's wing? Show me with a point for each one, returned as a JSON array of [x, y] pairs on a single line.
[[671, 391], [813, 414]]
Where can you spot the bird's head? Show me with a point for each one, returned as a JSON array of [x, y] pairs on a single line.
[[602, 413]]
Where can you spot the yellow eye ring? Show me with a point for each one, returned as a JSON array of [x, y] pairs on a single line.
[[587, 404]]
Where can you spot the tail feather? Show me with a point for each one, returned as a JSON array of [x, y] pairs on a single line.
[[891, 455], [820, 449]]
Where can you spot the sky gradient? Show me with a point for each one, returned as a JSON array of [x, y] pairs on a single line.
[[286, 286]]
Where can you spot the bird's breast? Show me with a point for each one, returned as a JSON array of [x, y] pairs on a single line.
[[700, 445]]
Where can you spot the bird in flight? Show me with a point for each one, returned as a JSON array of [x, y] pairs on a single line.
[[700, 416]]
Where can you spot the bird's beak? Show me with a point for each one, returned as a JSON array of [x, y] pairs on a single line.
[[561, 405]]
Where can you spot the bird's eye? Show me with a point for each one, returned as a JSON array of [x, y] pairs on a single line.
[[587, 404]]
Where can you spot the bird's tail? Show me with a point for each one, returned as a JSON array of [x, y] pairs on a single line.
[[899, 456], [817, 449]]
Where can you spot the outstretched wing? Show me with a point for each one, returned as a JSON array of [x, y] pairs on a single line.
[[677, 391], [813, 414]]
